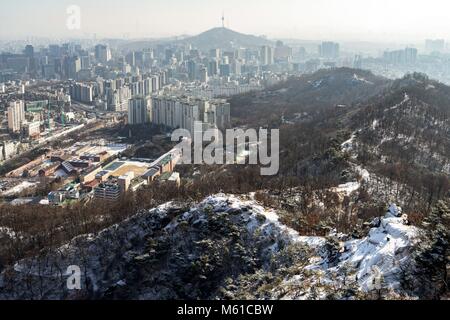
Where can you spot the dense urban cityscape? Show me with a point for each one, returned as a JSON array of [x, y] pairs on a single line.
[[52, 91]]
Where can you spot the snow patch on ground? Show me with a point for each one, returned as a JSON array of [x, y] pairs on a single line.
[[347, 188], [10, 233], [405, 99], [348, 144], [19, 188], [361, 79], [375, 124], [365, 175], [376, 259]]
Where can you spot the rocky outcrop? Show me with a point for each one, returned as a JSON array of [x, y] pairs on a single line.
[[224, 247]]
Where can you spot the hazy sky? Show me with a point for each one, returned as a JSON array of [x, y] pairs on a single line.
[[373, 20]]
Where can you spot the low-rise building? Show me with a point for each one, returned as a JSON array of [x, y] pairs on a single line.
[[107, 191], [32, 129]]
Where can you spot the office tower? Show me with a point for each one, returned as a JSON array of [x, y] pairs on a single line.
[[73, 66], [266, 55], [43, 60], [131, 59], [213, 67], [329, 50], [191, 69], [29, 51], [139, 58], [85, 62], [168, 55], [102, 53], [16, 115], [180, 56], [225, 70], [236, 67], [203, 74], [139, 110], [214, 54]]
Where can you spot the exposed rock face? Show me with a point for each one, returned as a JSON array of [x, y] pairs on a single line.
[[225, 247], [168, 252]]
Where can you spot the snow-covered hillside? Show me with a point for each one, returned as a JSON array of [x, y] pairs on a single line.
[[184, 252]]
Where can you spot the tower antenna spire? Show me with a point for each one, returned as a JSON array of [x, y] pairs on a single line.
[[223, 19]]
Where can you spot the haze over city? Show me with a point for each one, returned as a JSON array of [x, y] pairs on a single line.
[[367, 20]]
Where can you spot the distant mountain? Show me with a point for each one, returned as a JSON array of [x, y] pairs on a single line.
[[213, 38], [225, 38]]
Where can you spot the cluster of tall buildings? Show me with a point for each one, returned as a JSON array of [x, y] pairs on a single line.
[[179, 112], [406, 56], [82, 92], [113, 94], [329, 50], [183, 112], [17, 122], [65, 61]]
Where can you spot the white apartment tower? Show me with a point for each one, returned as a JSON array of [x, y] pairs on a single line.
[[16, 115], [139, 110]]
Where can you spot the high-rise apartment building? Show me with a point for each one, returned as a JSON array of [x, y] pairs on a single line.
[[266, 55], [139, 110], [102, 53], [82, 92], [329, 50], [16, 115], [183, 112]]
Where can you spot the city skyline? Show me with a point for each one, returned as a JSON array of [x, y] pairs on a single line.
[[319, 20]]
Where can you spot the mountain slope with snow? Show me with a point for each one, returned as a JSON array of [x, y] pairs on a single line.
[[208, 251]]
